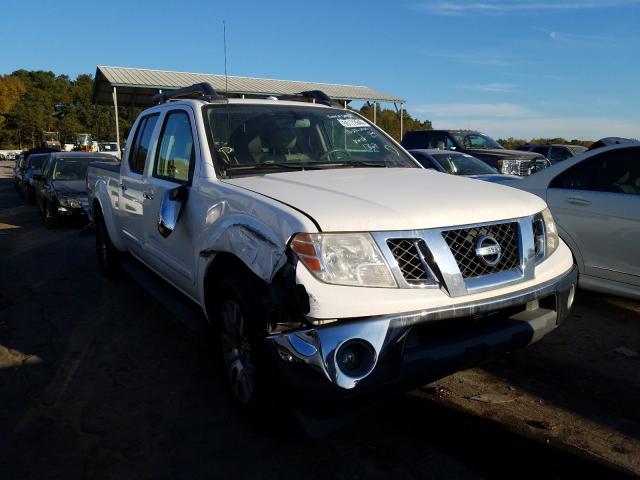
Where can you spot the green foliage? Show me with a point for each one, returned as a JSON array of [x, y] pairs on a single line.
[[28, 102], [389, 120], [512, 143]]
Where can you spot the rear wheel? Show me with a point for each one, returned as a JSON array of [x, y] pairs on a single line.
[[108, 255]]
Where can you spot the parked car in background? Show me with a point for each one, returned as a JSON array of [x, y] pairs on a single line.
[[555, 152], [595, 199], [458, 163], [32, 167], [110, 148], [18, 171], [512, 162], [63, 185], [605, 142]]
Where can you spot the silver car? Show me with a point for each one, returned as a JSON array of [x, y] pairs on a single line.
[[595, 200]]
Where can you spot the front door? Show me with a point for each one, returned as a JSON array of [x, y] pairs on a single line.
[[174, 257]]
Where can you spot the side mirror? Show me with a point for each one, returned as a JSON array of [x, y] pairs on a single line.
[[170, 209]]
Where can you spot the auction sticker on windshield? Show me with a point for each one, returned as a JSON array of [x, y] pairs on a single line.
[[352, 122]]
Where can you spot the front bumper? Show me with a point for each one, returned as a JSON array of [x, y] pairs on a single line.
[[418, 347]]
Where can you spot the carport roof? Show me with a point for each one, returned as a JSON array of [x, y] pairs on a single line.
[[136, 86]]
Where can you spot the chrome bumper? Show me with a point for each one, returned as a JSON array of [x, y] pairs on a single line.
[[412, 345]]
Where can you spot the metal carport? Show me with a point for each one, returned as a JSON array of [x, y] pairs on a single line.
[[136, 87]]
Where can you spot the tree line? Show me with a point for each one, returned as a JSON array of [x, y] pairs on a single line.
[[32, 102]]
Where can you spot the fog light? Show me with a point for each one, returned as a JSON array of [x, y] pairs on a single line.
[[355, 358], [572, 294]]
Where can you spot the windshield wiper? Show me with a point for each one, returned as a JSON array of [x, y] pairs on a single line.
[[253, 167], [352, 163]]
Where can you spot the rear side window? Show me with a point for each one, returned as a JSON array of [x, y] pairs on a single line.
[[142, 143], [542, 150], [175, 156], [559, 153]]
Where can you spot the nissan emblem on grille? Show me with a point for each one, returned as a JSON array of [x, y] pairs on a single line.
[[488, 250]]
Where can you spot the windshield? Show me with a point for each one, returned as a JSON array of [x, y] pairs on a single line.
[[475, 140], [462, 164], [70, 169], [249, 138]]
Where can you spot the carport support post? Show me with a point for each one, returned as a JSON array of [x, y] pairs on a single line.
[[401, 119], [375, 108], [115, 110]]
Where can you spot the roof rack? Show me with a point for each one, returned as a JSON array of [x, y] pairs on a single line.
[[198, 90], [317, 96]]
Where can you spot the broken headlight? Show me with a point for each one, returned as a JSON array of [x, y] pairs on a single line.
[[351, 259]]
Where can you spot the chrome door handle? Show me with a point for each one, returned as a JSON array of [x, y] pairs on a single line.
[[147, 195], [578, 201]]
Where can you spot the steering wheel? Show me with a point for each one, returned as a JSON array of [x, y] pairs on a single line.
[[326, 154]]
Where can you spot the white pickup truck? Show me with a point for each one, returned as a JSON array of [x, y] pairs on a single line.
[[320, 251]]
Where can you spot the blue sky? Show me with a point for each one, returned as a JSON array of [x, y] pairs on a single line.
[[522, 68]]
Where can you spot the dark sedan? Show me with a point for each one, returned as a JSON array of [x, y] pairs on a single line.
[[63, 187], [458, 163], [31, 167]]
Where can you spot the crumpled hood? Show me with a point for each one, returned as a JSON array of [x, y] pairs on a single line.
[[75, 188], [379, 199]]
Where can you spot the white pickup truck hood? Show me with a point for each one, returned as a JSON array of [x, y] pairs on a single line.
[[380, 199]]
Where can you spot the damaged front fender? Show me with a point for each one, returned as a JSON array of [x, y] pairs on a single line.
[[249, 241]]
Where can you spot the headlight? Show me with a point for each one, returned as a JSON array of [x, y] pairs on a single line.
[[69, 202], [545, 234], [509, 167], [343, 259]]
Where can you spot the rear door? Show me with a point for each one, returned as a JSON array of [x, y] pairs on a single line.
[[176, 156], [597, 202], [132, 184]]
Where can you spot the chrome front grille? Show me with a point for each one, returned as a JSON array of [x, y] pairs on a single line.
[[527, 167], [410, 259], [462, 243]]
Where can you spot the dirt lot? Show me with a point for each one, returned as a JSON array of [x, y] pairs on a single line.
[[96, 381]]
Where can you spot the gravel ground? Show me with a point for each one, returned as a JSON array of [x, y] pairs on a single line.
[[96, 381]]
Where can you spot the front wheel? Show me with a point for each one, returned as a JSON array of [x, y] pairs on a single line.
[[50, 215], [241, 322]]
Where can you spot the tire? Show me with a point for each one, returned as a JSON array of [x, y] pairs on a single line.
[[50, 215], [241, 327], [108, 255]]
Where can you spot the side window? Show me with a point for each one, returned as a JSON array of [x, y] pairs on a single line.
[[618, 172], [559, 153], [542, 150], [47, 167], [176, 154], [578, 177], [142, 143]]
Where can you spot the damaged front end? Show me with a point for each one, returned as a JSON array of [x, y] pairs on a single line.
[[357, 355]]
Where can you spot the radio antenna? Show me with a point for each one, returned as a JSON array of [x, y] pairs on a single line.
[[226, 79]]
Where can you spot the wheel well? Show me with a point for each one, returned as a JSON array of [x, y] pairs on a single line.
[[225, 262]]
